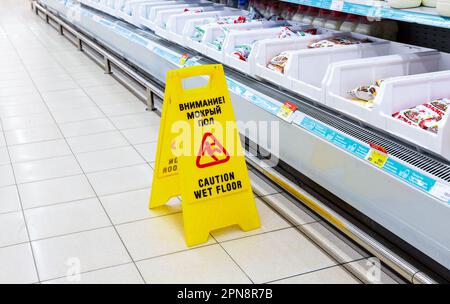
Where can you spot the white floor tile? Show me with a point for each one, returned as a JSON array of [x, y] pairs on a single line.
[[106, 91], [206, 265], [14, 231], [6, 176], [2, 138], [333, 275], [23, 109], [112, 98], [66, 62], [96, 81], [147, 151], [50, 78], [17, 265], [40, 150], [40, 73], [124, 108], [294, 255], [60, 219], [16, 91], [141, 135], [133, 205], [69, 104], [121, 180], [154, 237], [88, 74], [109, 159], [24, 136], [62, 96], [123, 274], [4, 156], [15, 82], [136, 120], [56, 85], [20, 99], [54, 191], [46, 169], [27, 121], [9, 199], [73, 70], [94, 142], [270, 221], [91, 250], [77, 114], [86, 127]]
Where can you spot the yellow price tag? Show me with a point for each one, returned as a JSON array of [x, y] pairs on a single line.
[[377, 156]]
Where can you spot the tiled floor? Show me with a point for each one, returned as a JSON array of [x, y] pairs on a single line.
[[76, 150]]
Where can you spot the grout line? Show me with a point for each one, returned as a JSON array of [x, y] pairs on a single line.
[[54, 204], [86, 173], [85, 230], [313, 271], [234, 261], [90, 271]]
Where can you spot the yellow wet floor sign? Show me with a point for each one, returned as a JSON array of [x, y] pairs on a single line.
[[200, 157]]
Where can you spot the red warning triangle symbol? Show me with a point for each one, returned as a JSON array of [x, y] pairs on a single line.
[[211, 152]]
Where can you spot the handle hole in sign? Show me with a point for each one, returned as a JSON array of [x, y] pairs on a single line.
[[196, 82]]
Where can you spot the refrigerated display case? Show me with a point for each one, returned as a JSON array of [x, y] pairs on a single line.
[[392, 175]]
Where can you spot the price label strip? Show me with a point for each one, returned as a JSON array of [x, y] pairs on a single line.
[[337, 5], [378, 156], [441, 191]]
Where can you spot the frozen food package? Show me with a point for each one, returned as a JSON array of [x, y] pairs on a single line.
[[242, 51], [287, 32], [338, 41], [279, 62], [426, 116], [441, 104], [199, 30], [218, 42], [365, 94]]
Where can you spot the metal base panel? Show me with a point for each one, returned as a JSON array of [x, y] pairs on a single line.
[[329, 150]]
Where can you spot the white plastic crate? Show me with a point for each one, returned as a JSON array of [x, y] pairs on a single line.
[[130, 8], [163, 17], [189, 29], [346, 75], [106, 6], [307, 69], [92, 3], [249, 37], [139, 10], [142, 14], [154, 11], [269, 48], [177, 23], [216, 30], [116, 6], [405, 92]]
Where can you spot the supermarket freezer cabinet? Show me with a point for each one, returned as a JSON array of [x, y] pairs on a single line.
[[407, 196]]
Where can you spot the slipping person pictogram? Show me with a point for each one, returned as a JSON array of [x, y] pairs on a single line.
[[211, 152]]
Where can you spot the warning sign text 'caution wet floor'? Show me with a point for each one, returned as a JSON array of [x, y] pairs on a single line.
[[200, 158]]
